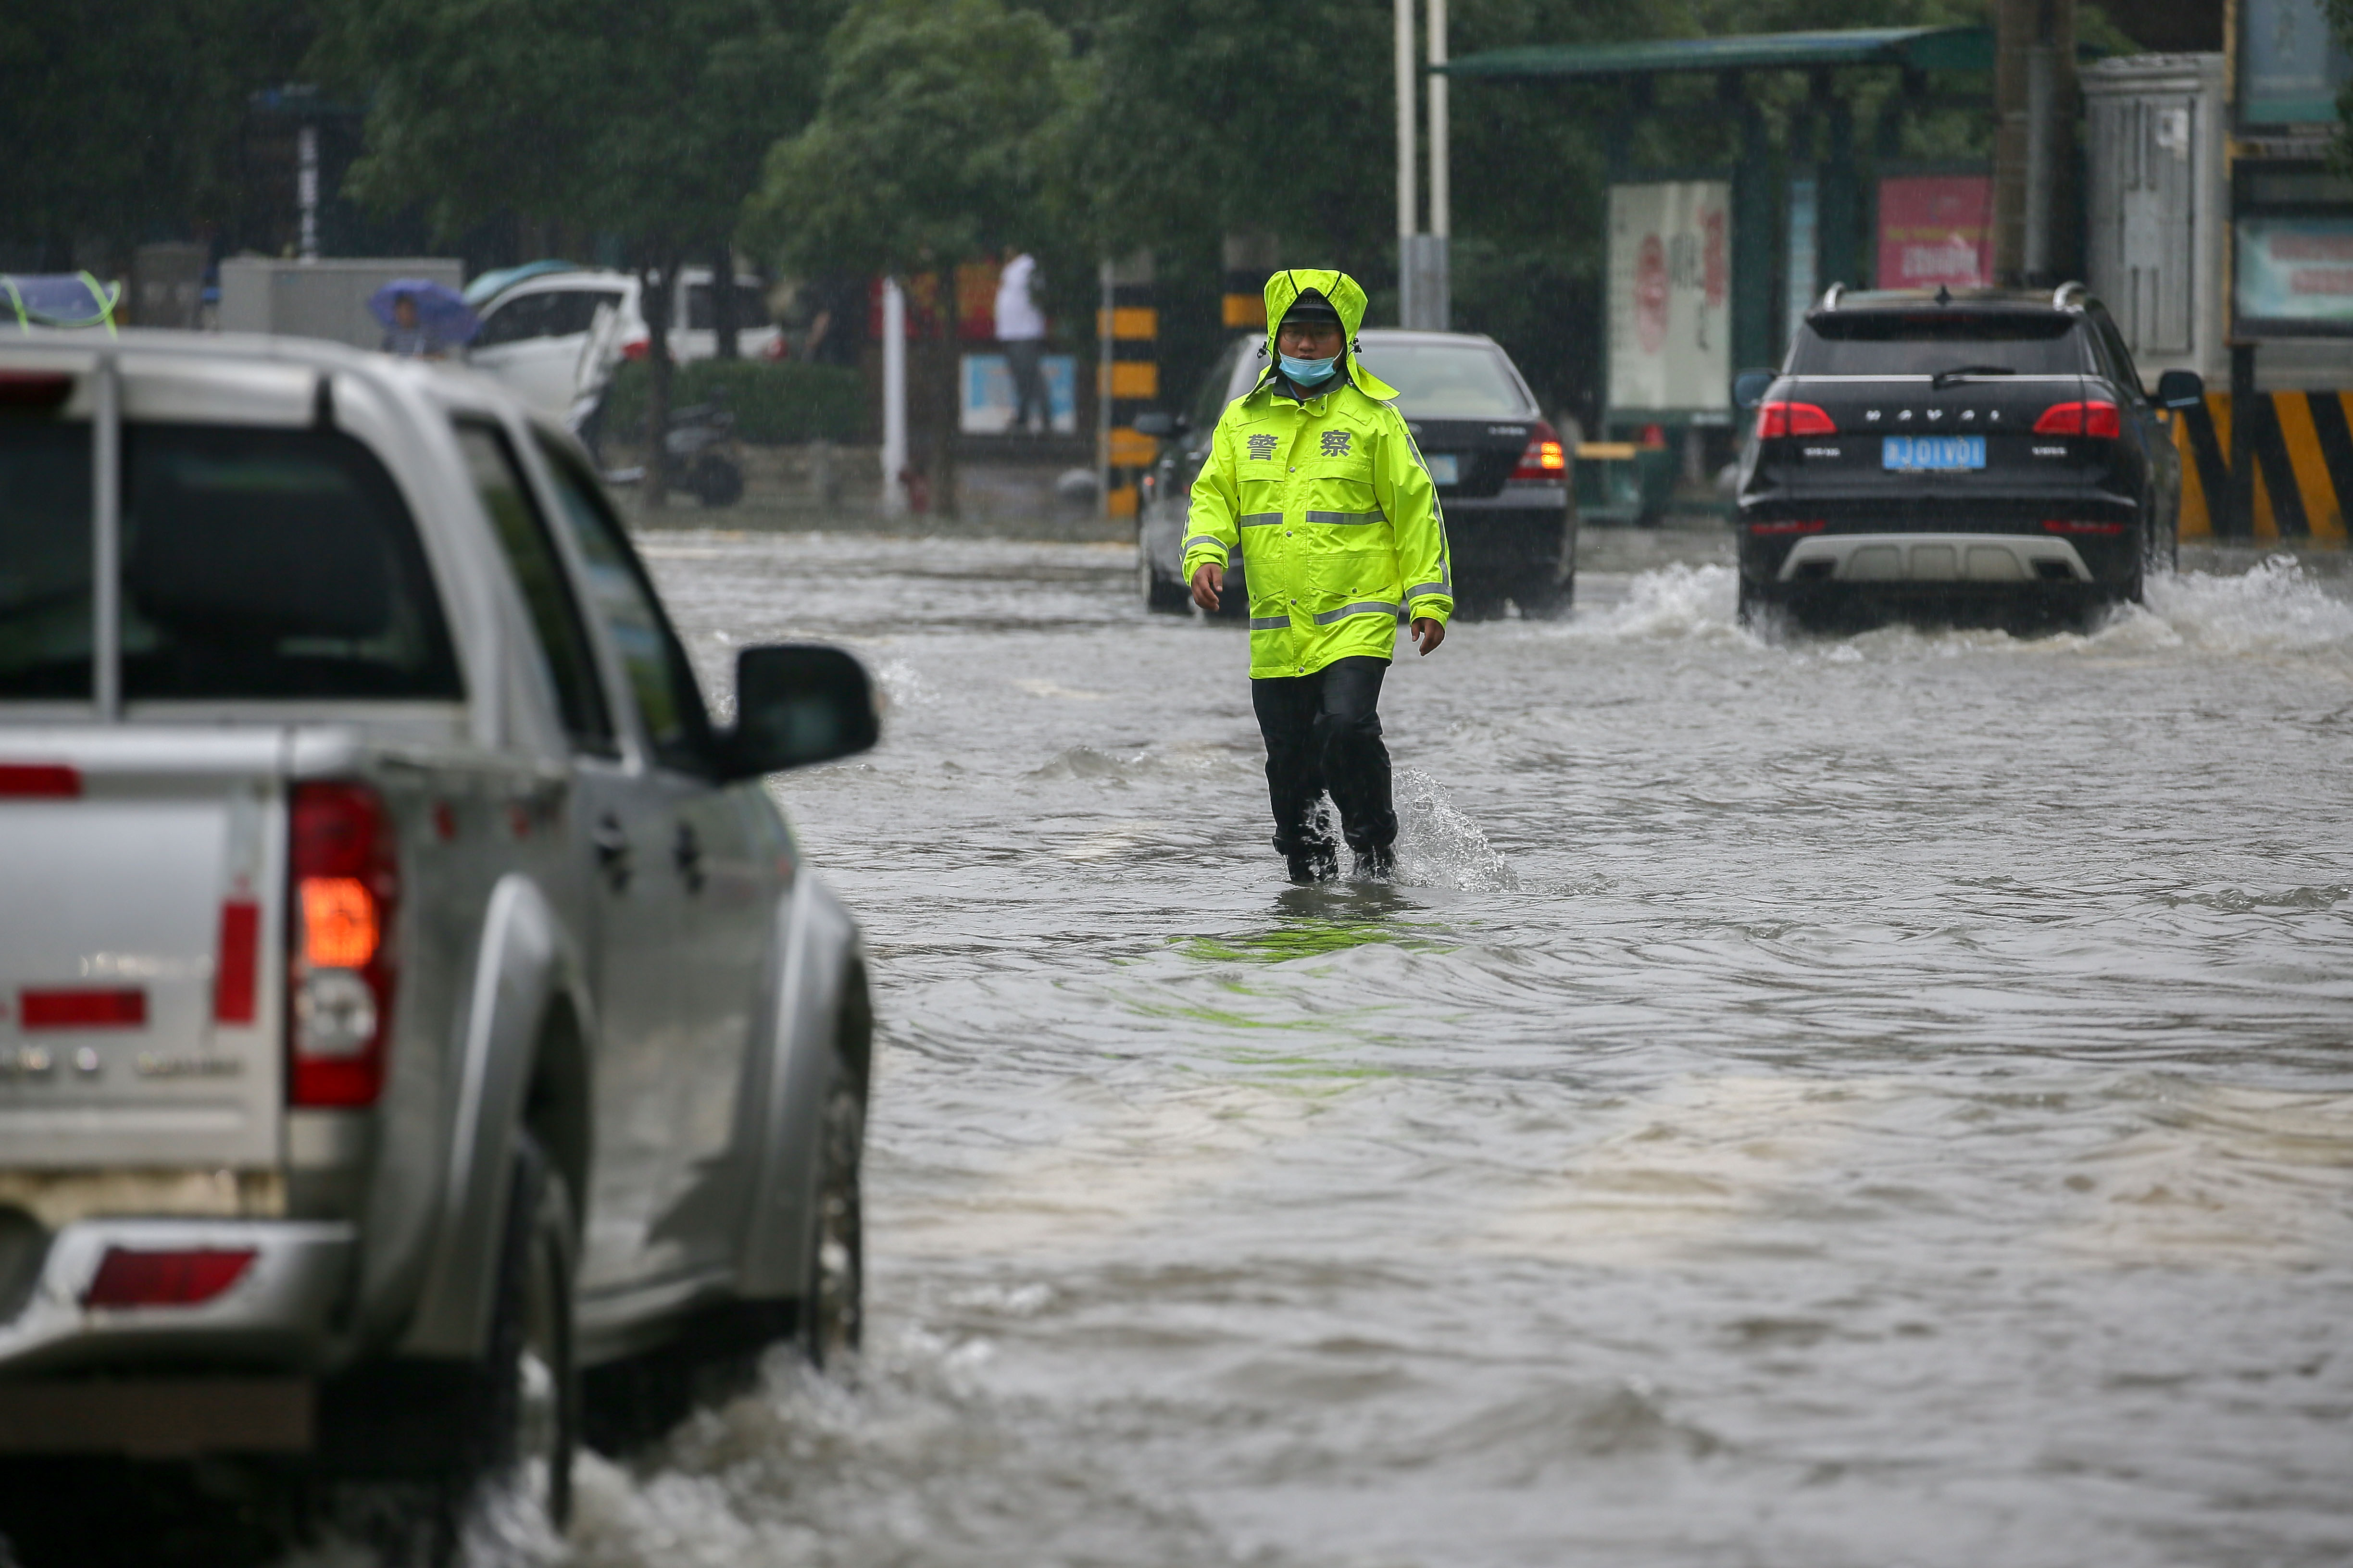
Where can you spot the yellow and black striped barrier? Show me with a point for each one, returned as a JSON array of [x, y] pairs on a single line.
[[1133, 325], [2301, 443], [1249, 262]]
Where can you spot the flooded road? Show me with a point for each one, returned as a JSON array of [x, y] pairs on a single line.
[[1865, 1101]]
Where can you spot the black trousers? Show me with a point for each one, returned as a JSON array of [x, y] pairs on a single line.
[[1322, 733], [1021, 357]]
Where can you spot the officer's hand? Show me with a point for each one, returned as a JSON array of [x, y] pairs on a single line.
[[1208, 578], [1428, 633]]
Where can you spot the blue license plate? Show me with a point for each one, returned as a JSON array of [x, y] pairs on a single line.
[[1917, 454], [1444, 468]]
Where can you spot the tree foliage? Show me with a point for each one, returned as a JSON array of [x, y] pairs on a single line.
[[123, 118], [937, 138]]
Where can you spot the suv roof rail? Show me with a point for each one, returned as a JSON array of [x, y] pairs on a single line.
[[1831, 296], [2069, 296]]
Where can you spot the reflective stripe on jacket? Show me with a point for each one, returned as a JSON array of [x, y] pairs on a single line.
[[1328, 502]]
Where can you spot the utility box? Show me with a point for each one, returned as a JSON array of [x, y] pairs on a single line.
[[2157, 207], [326, 299]]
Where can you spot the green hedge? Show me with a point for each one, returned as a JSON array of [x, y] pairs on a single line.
[[775, 401]]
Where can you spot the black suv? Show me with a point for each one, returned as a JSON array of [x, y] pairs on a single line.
[[1502, 475], [1987, 455]]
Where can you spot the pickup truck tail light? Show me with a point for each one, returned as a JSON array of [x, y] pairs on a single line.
[[339, 976], [1545, 459], [1793, 419], [2094, 418], [128, 1276]]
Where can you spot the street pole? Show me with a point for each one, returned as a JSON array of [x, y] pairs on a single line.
[[306, 187], [1407, 207], [2034, 151], [1105, 281], [894, 398], [1439, 308]]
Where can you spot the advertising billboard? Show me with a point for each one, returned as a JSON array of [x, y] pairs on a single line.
[[986, 403], [2295, 275], [1669, 296], [1936, 231], [2291, 63]]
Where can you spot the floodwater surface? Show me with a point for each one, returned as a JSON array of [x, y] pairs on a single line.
[[1871, 1100]]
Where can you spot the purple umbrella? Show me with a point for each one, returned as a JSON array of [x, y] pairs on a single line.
[[442, 314]]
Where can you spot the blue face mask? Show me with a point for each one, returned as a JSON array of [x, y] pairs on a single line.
[[1308, 371]]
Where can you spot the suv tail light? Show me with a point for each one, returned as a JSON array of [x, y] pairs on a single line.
[[2094, 418], [636, 348], [1544, 459], [2079, 525], [339, 976], [1789, 525], [1792, 419]]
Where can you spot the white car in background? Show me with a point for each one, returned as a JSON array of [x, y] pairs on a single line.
[[541, 340]]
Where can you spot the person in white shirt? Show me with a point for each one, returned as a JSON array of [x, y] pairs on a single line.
[[1022, 328]]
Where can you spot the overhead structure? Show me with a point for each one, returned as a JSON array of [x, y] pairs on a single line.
[[1749, 242]]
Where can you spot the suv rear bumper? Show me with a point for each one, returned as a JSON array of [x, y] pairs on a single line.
[[280, 1314], [1947, 560]]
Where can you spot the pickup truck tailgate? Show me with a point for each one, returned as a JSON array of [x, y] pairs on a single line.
[[142, 968]]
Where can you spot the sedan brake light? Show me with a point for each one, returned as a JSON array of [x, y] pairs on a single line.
[[1793, 419], [1544, 458], [127, 1277], [339, 974], [2092, 418]]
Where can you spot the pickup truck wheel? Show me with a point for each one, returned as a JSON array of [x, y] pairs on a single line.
[[832, 1306], [533, 1415]]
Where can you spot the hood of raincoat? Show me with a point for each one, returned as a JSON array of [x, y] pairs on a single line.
[[1346, 296]]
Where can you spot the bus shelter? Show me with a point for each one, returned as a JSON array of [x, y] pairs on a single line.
[[1712, 263]]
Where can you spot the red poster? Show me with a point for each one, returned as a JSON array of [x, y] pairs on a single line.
[[1935, 229]]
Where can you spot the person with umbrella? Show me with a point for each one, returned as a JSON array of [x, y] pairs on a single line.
[[422, 319]]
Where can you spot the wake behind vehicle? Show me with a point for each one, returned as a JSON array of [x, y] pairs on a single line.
[[409, 998], [1501, 473], [1987, 455]]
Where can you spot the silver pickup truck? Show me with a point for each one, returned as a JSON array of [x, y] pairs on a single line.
[[409, 998]]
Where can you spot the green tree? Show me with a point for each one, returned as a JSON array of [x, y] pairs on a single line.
[[123, 118], [939, 138], [647, 122]]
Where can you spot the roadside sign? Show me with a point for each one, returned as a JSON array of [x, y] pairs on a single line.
[[2291, 63], [1669, 296], [986, 399], [2296, 275], [1936, 231]]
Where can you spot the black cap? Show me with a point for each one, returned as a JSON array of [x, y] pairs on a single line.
[[1309, 307]]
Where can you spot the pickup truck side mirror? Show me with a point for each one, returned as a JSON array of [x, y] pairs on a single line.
[[1158, 426], [1748, 388], [2180, 389], [798, 703]]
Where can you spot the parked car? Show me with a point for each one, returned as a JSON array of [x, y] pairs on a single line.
[[410, 995], [1981, 456], [1502, 475], [538, 337]]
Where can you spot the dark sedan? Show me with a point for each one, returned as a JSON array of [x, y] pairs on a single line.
[[1501, 473]]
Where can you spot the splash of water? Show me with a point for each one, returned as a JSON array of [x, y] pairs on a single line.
[[1438, 846]]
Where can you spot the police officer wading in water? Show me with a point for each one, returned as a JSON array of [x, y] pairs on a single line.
[[1313, 478]]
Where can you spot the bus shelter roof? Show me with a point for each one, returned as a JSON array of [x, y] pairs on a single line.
[[1914, 49]]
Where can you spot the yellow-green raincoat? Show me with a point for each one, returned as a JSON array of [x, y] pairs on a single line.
[[1329, 503]]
